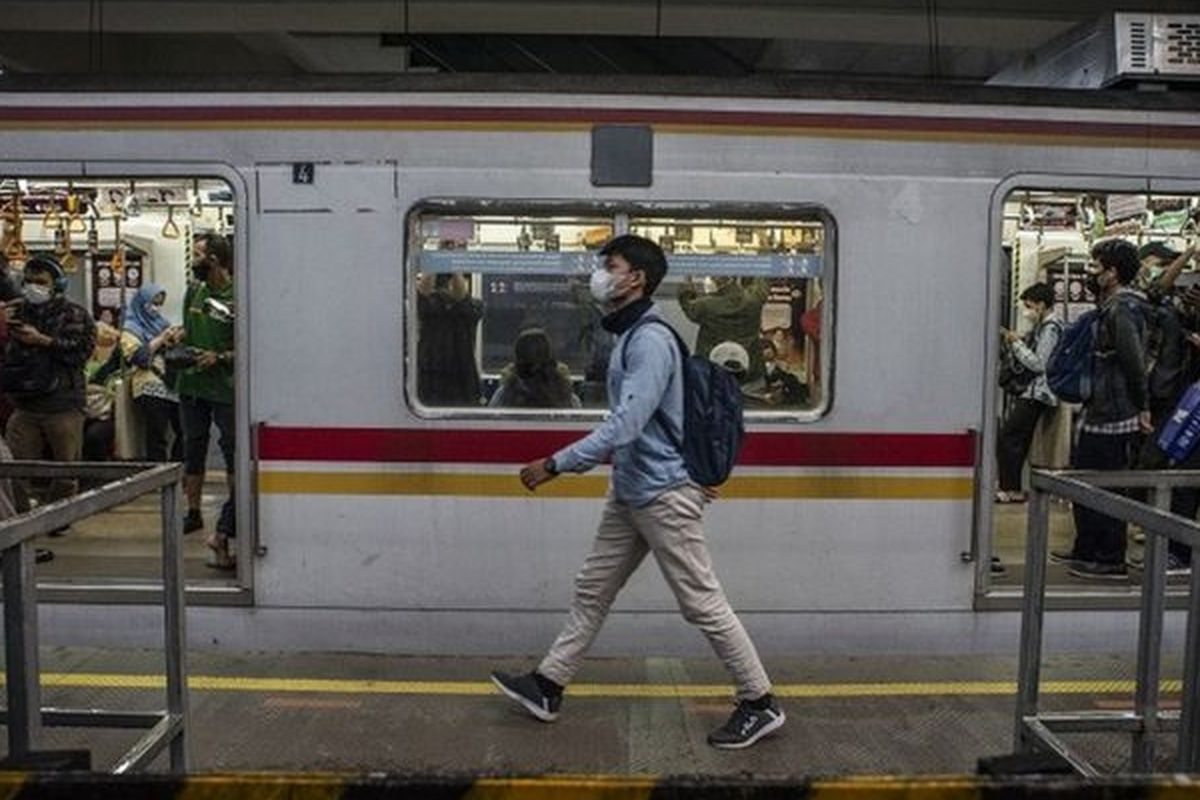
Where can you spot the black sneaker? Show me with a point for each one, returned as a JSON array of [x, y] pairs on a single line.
[[747, 725], [1176, 566], [1066, 557], [1096, 570], [192, 521], [526, 690], [996, 566], [41, 555]]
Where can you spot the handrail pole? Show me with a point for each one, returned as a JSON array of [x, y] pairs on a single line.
[[1189, 716], [20, 650], [175, 632], [1149, 646], [1032, 613]]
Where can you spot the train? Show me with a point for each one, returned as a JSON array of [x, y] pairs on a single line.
[[880, 225]]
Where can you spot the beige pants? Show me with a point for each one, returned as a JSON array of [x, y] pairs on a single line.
[[31, 434], [670, 528]]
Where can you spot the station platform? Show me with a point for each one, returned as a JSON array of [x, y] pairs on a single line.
[[623, 717]]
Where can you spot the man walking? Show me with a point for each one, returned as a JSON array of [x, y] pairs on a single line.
[[1118, 410], [652, 505]]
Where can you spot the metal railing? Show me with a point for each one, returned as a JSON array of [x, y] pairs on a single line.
[[25, 715], [1039, 729]]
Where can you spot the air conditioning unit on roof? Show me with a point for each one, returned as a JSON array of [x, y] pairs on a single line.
[[1120, 48]]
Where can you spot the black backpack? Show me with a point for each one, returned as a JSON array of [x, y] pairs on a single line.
[[712, 414]]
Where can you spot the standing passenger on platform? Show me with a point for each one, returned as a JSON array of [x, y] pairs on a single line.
[[652, 506], [1118, 410], [50, 339], [447, 317], [206, 392]]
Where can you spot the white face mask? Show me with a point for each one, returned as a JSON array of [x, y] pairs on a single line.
[[1029, 314], [36, 294], [603, 285], [154, 310]]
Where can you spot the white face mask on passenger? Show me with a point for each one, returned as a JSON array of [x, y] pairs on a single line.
[[1029, 314], [604, 285], [35, 294]]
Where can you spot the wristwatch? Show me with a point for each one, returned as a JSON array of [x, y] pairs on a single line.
[[550, 466]]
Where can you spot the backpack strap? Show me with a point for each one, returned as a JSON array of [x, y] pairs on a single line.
[[676, 442]]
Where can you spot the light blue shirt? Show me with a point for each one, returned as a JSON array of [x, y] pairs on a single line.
[[644, 461]]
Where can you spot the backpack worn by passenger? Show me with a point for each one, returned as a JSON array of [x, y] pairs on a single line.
[[712, 414], [1069, 370]]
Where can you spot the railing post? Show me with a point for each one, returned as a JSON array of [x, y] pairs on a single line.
[[175, 632], [1188, 759], [1149, 647], [1033, 609], [21, 650]]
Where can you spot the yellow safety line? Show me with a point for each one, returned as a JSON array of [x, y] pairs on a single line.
[[581, 787], [215, 683], [869, 487]]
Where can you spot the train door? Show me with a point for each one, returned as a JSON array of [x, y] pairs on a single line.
[[326, 248], [123, 244], [1046, 229]]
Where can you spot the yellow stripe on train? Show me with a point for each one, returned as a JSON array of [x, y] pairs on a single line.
[[763, 487]]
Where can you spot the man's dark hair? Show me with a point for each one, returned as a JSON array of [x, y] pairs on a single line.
[[642, 254], [219, 249], [1039, 293], [1119, 255]]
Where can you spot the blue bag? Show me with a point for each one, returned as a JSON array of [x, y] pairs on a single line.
[[712, 415], [1069, 370], [1181, 431]]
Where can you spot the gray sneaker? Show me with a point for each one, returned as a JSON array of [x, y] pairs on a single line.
[[525, 690], [1098, 570], [747, 725]]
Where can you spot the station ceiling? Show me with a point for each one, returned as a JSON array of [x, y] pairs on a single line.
[[951, 41]]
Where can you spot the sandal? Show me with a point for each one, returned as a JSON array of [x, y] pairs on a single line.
[[219, 556]]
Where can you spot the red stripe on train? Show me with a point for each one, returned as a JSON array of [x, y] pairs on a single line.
[[551, 115], [433, 445]]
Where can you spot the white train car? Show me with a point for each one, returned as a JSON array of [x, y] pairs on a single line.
[[372, 518]]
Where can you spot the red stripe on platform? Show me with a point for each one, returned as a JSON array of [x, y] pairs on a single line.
[[432, 445]]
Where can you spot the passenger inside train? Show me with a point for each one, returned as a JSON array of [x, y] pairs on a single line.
[[1059, 247], [126, 252]]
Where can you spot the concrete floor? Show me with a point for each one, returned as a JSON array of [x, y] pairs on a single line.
[[125, 544], [846, 715]]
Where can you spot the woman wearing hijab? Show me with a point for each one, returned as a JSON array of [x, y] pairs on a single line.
[[145, 336], [535, 379]]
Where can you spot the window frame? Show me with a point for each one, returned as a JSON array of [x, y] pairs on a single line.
[[620, 212]]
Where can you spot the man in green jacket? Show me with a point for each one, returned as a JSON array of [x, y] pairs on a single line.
[[206, 389], [731, 314]]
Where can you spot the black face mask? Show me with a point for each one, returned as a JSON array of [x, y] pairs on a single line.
[[200, 269], [1093, 285]]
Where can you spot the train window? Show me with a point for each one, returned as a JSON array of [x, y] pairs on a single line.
[[112, 240], [504, 318], [1048, 237]]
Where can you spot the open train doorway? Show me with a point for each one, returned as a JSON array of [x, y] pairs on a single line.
[[1048, 240], [142, 325]]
